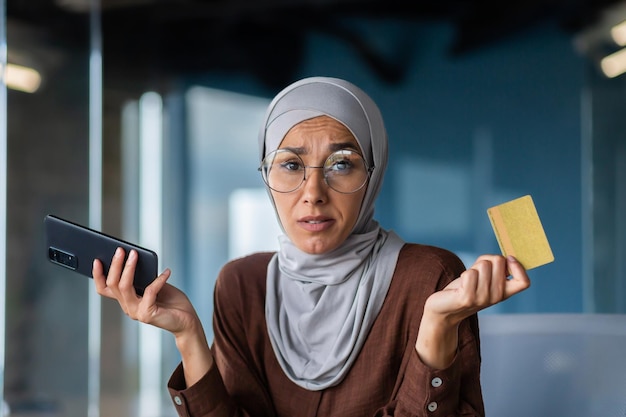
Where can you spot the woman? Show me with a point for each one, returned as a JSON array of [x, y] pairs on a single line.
[[346, 318]]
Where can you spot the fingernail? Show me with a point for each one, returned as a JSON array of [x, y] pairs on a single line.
[[511, 258], [118, 252]]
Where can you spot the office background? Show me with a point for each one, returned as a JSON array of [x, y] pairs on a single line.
[[479, 109]]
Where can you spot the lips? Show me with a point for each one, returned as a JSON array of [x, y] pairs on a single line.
[[315, 223]]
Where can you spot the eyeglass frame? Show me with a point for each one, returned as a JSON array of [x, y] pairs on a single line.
[[368, 170]]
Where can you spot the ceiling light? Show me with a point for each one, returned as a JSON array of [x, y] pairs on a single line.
[[614, 64], [21, 78], [618, 32]]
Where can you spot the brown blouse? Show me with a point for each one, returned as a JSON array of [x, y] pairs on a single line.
[[387, 378]]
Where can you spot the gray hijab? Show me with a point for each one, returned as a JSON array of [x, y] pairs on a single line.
[[320, 308]]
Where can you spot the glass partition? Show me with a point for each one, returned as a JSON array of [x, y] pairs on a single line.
[[47, 133], [605, 202], [3, 198]]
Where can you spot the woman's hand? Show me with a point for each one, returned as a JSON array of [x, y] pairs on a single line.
[[484, 284], [161, 305]]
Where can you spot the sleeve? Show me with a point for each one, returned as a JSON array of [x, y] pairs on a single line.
[[206, 398], [455, 391], [234, 385]]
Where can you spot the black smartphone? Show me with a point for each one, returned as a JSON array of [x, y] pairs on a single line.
[[75, 247]]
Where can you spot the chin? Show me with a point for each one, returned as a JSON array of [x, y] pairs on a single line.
[[317, 248]]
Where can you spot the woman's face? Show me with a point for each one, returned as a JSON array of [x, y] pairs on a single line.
[[317, 218]]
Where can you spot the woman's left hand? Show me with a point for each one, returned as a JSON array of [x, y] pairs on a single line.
[[485, 284]]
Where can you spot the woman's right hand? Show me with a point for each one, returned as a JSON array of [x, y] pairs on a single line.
[[161, 305]]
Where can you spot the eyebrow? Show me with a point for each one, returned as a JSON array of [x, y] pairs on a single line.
[[333, 147], [343, 145]]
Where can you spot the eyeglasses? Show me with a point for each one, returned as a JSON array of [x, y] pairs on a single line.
[[345, 171]]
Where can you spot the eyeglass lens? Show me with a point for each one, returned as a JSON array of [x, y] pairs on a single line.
[[345, 171]]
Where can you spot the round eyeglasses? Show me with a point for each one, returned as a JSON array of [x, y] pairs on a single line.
[[345, 171]]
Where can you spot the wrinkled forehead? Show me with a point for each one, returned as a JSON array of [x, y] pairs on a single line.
[[313, 100]]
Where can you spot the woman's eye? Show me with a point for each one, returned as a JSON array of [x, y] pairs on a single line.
[[291, 165], [342, 165]]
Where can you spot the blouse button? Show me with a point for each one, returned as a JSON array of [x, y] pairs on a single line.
[[177, 400], [436, 382], [432, 406]]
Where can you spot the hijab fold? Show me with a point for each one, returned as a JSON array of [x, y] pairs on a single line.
[[320, 307]]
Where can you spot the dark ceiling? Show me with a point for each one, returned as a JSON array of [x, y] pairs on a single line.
[[266, 38]]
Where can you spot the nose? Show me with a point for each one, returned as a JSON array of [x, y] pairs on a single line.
[[314, 188]]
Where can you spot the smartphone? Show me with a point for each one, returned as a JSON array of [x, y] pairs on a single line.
[[75, 247]]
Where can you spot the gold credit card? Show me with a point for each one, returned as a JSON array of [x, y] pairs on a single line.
[[519, 232]]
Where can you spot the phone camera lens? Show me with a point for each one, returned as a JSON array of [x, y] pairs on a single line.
[[62, 258]]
